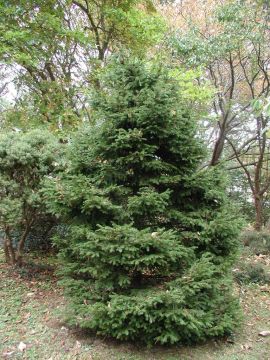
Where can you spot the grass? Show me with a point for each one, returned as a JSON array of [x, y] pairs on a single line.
[[32, 307]]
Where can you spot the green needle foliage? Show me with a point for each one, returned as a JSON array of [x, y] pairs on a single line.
[[150, 242]]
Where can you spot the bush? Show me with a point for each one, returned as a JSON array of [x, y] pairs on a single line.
[[151, 240], [251, 273], [25, 159], [258, 241]]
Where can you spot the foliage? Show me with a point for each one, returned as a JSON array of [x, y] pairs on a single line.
[[25, 159], [239, 193], [229, 30], [190, 90], [150, 241], [56, 49], [34, 43]]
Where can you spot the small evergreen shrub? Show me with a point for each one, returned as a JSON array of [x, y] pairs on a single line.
[[151, 240], [25, 160]]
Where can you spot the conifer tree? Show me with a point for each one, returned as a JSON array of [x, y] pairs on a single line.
[[25, 160], [151, 241]]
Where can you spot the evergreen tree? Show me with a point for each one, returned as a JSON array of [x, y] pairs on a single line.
[[25, 159], [150, 240]]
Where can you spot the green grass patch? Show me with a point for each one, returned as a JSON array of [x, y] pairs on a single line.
[[32, 311]]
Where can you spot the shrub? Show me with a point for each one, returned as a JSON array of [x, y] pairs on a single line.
[[25, 159], [251, 273], [151, 239], [258, 241]]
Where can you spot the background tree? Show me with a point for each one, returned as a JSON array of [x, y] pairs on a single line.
[[230, 42], [56, 48], [151, 241]]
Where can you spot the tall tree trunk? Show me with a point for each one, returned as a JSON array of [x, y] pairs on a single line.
[[218, 149], [259, 212]]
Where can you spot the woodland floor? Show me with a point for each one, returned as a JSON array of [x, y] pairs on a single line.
[[32, 307]]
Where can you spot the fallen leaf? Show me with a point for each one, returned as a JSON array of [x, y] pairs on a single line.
[[265, 289], [8, 353], [246, 347], [21, 346], [265, 333], [27, 315]]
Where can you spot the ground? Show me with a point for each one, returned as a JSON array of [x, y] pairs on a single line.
[[32, 326]]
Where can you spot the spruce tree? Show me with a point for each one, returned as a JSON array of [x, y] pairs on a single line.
[[151, 239]]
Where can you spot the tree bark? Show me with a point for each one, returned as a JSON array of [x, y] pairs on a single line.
[[19, 251], [218, 149], [259, 212], [14, 256], [7, 256], [8, 247]]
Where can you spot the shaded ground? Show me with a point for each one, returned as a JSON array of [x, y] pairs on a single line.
[[32, 306]]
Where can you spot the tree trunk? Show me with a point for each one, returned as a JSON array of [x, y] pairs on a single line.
[[8, 247], [20, 246], [7, 256], [259, 212], [15, 256], [218, 149]]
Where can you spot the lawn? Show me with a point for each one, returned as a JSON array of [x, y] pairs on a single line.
[[32, 310]]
